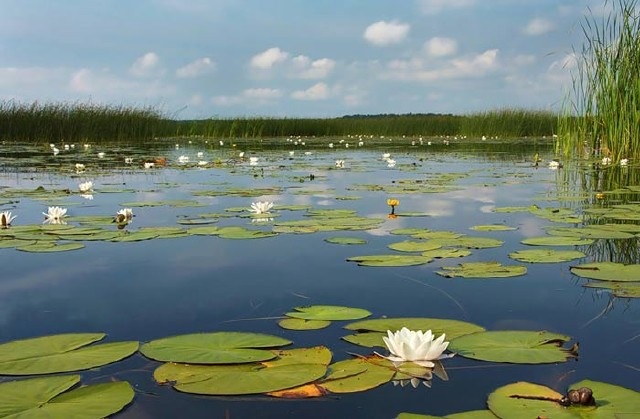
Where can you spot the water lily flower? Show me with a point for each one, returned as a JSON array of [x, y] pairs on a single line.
[[149, 165], [624, 162], [241, 154], [101, 155], [200, 154], [393, 203], [123, 216], [56, 151], [386, 156], [87, 196], [291, 153], [221, 143], [606, 161], [415, 346], [391, 163], [6, 218], [86, 187], [55, 215], [330, 145], [253, 161], [340, 163], [261, 207], [183, 159], [202, 163], [128, 160], [80, 167], [554, 164]]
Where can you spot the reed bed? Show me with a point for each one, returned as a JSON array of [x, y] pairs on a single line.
[[601, 114], [88, 122]]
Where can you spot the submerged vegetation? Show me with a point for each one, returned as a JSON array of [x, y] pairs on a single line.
[[602, 113], [75, 122]]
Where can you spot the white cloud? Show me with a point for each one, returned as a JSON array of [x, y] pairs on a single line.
[[262, 93], [318, 91], [386, 33], [267, 59], [196, 68], [524, 60], [104, 85], [432, 7], [440, 47], [304, 68], [538, 26], [418, 70], [145, 65], [11, 77]]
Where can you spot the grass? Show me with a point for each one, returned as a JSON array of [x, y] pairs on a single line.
[[602, 112], [77, 122]]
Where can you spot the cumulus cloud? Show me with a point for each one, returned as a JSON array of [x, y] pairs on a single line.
[[253, 96], [418, 70], [318, 91], [432, 7], [440, 47], [386, 33], [267, 59], [538, 26], [105, 85], [304, 68], [145, 65], [196, 68], [262, 93]]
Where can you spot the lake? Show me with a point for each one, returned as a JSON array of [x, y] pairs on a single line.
[[150, 289]]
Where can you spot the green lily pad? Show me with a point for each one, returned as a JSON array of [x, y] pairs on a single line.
[[523, 399], [324, 312], [355, 375], [512, 346], [446, 253], [472, 414], [556, 241], [48, 397], [50, 247], [204, 231], [590, 233], [619, 289], [213, 348], [492, 227], [240, 379], [608, 271], [197, 221], [389, 260], [10, 242], [241, 233], [482, 270], [134, 236], [302, 324], [436, 235], [471, 242], [546, 255], [60, 353], [345, 240], [414, 246], [370, 332], [409, 231]]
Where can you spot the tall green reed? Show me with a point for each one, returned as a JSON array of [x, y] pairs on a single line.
[[602, 113]]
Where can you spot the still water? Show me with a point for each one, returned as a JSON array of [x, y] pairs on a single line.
[[156, 288]]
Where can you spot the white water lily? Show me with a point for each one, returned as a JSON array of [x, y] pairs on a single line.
[[554, 164], [624, 162], [86, 187], [261, 207], [80, 167], [123, 216], [101, 155], [415, 346], [606, 161], [128, 160], [149, 165], [391, 163], [183, 159], [253, 161], [6, 218], [340, 164], [55, 215]]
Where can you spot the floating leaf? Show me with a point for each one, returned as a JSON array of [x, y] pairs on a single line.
[[409, 231], [241, 233], [355, 375], [50, 247], [324, 312], [608, 271], [389, 260], [244, 378], [446, 253], [213, 348], [546, 255], [590, 233], [345, 240], [60, 353], [414, 246], [619, 289], [513, 346], [48, 397], [373, 330], [482, 270], [472, 414], [492, 227], [301, 324], [135, 236], [556, 241], [197, 221], [471, 242], [530, 400]]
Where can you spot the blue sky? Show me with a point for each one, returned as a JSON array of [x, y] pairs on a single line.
[[291, 58]]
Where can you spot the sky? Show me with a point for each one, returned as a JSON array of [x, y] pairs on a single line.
[[292, 58]]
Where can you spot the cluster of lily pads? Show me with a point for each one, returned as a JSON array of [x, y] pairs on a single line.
[[239, 363]]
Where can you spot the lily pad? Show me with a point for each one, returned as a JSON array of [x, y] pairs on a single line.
[[240, 379], [556, 241], [446, 253], [345, 240], [370, 332], [546, 255], [608, 271], [355, 375], [213, 348], [523, 399], [513, 346], [389, 260], [302, 324], [49, 397], [50, 247], [492, 227], [324, 312], [60, 353], [482, 270], [619, 289], [415, 246]]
